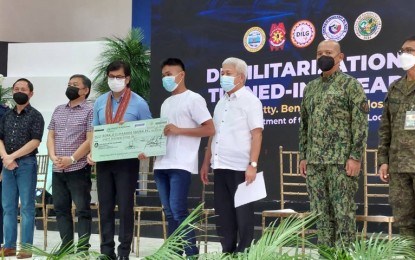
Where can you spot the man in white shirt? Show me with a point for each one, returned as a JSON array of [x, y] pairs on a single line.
[[233, 153], [189, 120]]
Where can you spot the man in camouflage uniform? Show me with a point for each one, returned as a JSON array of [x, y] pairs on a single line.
[[396, 155], [333, 133]]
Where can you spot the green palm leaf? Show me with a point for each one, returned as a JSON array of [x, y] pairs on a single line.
[[378, 247], [131, 50], [175, 243], [287, 234], [68, 252]]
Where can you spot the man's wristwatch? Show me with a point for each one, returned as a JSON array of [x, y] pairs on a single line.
[[253, 164], [73, 160]]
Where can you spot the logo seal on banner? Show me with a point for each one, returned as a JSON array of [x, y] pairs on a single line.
[[335, 28], [367, 26], [254, 39], [277, 37], [302, 34]]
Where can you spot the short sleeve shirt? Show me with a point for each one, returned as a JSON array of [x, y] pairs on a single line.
[[70, 125], [185, 110], [16, 130], [235, 116]]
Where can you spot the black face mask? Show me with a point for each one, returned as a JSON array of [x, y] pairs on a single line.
[[325, 63], [72, 93], [20, 98]]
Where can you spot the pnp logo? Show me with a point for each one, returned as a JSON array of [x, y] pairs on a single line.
[[277, 37]]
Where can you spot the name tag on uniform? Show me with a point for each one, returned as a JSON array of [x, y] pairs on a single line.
[[410, 120]]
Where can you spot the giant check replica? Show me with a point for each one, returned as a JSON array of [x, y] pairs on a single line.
[[127, 140]]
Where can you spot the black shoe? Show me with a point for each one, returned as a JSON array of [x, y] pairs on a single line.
[[120, 257], [106, 257]]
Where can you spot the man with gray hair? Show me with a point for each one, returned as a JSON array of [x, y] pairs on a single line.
[[233, 154]]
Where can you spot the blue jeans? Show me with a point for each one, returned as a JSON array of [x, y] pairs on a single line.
[[1, 216], [173, 186], [19, 182]]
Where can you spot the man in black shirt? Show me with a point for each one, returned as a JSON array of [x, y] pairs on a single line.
[[21, 131]]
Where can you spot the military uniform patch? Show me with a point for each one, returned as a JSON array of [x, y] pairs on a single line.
[[409, 120], [364, 107]]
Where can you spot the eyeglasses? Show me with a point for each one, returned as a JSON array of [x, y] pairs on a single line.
[[116, 77], [406, 50]]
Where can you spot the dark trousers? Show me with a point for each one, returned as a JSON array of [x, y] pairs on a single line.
[[116, 183], [67, 187], [401, 198], [231, 221]]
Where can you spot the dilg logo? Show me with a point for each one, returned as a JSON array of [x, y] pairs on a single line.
[[303, 33]]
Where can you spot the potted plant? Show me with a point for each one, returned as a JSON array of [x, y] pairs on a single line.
[[129, 49], [5, 94]]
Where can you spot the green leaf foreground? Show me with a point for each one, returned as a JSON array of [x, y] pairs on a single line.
[[279, 242], [287, 234], [375, 247], [283, 242], [71, 251], [175, 243]]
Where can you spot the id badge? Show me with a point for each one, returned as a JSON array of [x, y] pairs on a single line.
[[410, 120]]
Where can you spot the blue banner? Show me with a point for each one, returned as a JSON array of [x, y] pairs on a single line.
[[278, 40]]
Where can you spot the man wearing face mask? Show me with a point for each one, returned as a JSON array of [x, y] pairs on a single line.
[[69, 137], [117, 180], [189, 120], [396, 156], [333, 133], [233, 154], [21, 131]]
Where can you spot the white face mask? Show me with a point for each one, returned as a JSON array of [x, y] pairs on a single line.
[[116, 85], [407, 60]]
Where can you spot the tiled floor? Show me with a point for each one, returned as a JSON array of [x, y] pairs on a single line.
[[147, 245]]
